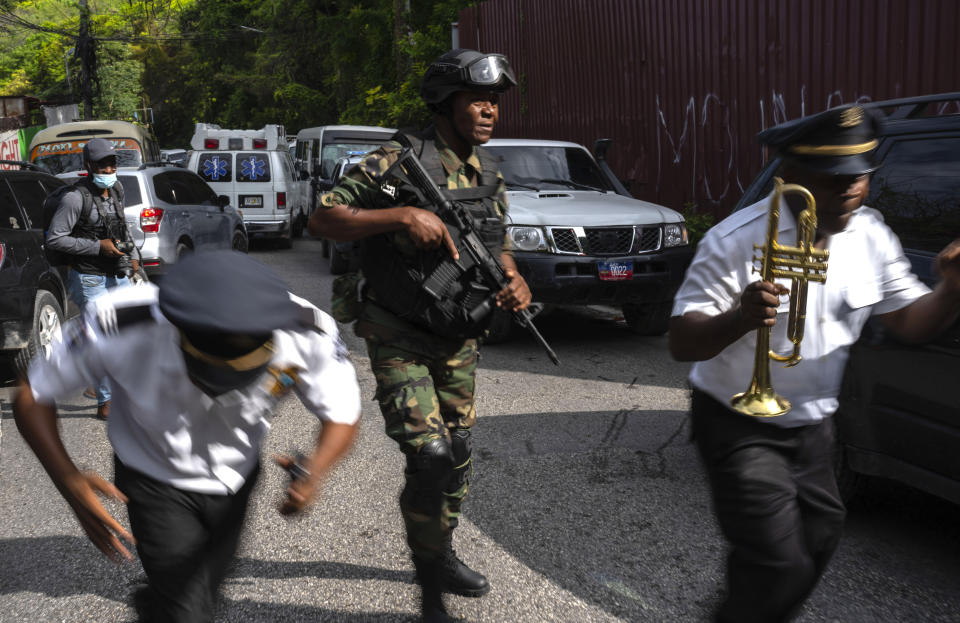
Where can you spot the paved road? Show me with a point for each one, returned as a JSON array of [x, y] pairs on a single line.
[[588, 504]]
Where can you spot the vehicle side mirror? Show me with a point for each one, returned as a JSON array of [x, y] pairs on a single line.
[[601, 146], [223, 201]]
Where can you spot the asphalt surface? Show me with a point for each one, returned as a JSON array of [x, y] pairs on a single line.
[[587, 504]]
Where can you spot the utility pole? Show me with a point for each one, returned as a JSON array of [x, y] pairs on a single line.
[[86, 52]]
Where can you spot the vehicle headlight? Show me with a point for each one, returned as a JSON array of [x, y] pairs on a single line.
[[675, 235], [527, 238]]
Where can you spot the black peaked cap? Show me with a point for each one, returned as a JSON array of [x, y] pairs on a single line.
[[227, 292], [838, 141]]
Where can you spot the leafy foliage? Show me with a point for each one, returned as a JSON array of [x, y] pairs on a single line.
[[238, 63], [697, 222]]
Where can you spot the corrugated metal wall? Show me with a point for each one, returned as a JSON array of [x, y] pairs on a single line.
[[683, 86]]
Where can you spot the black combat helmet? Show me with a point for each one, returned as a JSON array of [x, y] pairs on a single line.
[[465, 70]]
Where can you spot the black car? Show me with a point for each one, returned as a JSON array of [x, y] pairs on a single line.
[[899, 414], [32, 293]]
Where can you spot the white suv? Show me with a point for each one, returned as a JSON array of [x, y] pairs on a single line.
[[254, 169]]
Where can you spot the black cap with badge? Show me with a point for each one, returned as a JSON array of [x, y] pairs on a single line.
[[838, 141], [227, 306]]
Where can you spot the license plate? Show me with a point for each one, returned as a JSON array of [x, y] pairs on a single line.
[[615, 271], [251, 202]]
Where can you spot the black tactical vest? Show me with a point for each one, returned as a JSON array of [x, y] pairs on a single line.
[[396, 275], [106, 226]]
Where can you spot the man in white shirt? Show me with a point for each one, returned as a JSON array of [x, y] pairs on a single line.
[[196, 368], [771, 478]]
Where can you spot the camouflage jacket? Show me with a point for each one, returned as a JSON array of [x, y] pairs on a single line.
[[360, 188]]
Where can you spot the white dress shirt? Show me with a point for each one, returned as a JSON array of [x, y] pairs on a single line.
[[163, 425], [867, 274]]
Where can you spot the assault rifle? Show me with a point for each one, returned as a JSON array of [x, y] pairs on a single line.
[[489, 267]]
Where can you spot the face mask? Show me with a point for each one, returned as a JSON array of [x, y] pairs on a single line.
[[104, 180]]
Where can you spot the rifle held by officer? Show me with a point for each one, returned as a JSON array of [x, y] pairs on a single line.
[[489, 267]]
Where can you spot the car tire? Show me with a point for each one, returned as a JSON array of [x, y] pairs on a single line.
[[647, 319], [339, 262], [501, 327], [47, 324], [240, 242]]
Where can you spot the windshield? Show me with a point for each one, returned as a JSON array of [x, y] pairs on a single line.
[[333, 152], [66, 156], [549, 168]]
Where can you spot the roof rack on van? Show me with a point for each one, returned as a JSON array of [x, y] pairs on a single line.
[[210, 136], [22, 164]]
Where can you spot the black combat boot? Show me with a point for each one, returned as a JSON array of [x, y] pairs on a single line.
[[431, 593], [456, 577]]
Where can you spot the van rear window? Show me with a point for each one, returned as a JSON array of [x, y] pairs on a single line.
[[253, 167], [215, 166]]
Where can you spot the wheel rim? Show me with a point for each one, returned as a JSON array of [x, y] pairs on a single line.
[[49, 329]]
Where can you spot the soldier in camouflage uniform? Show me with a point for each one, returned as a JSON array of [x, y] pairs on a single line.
[[426, 382]]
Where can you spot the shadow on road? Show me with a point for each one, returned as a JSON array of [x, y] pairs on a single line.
[[47, 566], [608, 505]]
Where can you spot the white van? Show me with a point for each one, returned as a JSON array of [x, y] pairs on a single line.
[[319, 149], [254, 169]]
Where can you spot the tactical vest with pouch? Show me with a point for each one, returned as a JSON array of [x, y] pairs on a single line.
[[106, 226], [427, 287]]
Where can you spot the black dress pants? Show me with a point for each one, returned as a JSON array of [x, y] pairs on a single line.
[[185, 540], [777, 503]]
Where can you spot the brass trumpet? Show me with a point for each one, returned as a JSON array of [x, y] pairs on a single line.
[[801, 264]]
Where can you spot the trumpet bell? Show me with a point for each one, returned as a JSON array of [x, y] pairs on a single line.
[[760, 403]]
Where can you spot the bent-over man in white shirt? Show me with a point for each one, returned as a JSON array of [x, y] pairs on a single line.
[[771, 478], [196, 367]]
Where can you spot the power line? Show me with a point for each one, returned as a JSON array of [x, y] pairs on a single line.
[[10, 20]]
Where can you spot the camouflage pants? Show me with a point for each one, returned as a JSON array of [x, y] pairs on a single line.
[[422, 399]]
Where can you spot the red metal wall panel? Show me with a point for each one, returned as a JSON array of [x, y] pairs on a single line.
[[683, 86]]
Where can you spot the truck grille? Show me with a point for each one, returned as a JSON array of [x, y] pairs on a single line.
[[609, 240], [566, 240], [649, 238]]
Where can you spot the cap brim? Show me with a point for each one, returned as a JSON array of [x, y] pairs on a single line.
[[858, 164]]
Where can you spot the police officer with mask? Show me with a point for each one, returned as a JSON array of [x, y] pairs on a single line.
[[426, 372], [186, 437], [86, 230]]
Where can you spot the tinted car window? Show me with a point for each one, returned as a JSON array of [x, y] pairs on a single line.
[[253, 167], [215, 167], [162, 187], [131, 190], [529, 166], [188, 189], [9, 212], [917, 189], [31, 195]]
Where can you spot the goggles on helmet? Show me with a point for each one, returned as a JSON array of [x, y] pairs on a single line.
[[488, 71]]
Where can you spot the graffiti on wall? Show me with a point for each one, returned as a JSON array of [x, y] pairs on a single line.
[[712, 181]]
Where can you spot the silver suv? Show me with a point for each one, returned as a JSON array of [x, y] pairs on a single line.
[[171, 211], [579, 238]]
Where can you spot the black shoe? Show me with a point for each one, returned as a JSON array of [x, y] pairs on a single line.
[[459, 579]]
